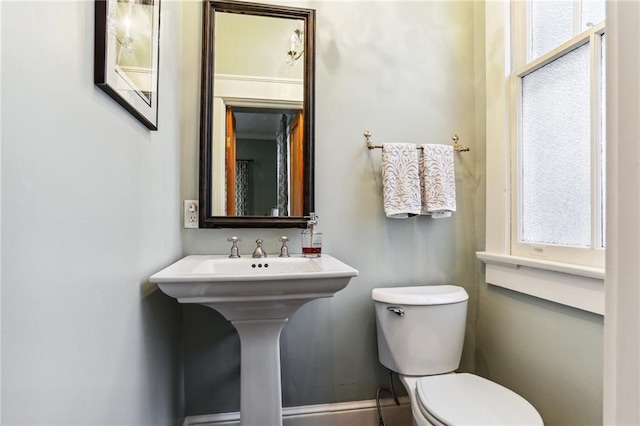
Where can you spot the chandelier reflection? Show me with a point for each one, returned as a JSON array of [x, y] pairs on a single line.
[[297, 46], [119, 24]]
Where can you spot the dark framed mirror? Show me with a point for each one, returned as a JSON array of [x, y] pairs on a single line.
[[257, 115]]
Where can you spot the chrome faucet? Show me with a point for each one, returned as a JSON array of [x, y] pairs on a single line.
[[259, 252], [284, 250], [234, 248]]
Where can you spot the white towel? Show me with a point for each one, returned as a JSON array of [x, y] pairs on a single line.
[[400, 180], [437, 181]]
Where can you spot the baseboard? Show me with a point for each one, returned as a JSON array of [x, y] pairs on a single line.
[[356, 413]]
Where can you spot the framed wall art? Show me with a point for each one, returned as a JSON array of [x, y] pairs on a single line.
[[127, 41]]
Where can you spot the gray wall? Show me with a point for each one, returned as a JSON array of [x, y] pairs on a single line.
[[548, 353], [410, 71], [90, 209], [406, 73]]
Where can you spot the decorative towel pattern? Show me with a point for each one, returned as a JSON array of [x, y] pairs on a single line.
[[400, 180], [437, 181]]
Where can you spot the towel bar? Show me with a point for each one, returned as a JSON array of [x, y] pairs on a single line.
[[456, 146]]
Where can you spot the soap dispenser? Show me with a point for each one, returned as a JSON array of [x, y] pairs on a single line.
[[312, 238]]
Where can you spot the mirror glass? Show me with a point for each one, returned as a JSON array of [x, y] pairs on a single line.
[[256, 157]]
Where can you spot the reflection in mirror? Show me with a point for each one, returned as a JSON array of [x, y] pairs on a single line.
[[256, 157], [134, 50], [265, 77], [257, 46], [268, 156]]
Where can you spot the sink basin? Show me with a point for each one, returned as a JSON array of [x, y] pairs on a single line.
[[257, 296], [248, 288], [236, 267]]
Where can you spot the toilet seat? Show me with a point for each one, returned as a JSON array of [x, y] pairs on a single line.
[[467, 399]]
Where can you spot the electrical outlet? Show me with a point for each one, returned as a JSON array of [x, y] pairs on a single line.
[[191, 213]]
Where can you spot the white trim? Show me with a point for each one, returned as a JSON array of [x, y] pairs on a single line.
[[497, 116], [622, 326], [566, 47], [577, 16], [285, 91], [1, 377], [244, 91], [258, 78], [565, 268], [218, 157], [353, 413], [595, 42], [520, 18], [571, 285]]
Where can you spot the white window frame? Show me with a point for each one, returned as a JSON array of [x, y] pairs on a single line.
[[523, 66], [569, 284]]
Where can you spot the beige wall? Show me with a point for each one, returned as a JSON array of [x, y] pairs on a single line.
[[255, 46]]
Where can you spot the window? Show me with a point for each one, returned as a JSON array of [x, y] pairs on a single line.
[[541, 56], [558, 115]]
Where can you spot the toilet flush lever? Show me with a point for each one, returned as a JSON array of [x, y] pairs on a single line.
[[396, 310]]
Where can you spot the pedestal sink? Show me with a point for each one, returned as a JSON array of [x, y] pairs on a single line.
[[257, 296]]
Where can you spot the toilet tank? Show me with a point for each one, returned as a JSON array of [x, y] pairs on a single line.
[[420, 329]]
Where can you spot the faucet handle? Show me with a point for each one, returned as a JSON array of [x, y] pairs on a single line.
[[259, 252], [234, 248], [284, 250]]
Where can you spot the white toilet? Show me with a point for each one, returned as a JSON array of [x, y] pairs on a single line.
[[420, 336]]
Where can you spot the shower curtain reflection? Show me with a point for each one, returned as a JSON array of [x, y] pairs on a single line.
[[242, 187], [282, 153]]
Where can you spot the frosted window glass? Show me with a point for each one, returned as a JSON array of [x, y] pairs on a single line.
[[551, 25], [593, 12], [603, 136], [556, 159]]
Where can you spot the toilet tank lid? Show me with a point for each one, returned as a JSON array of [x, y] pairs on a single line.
[[420, 295]]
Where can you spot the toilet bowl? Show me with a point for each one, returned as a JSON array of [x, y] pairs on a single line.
[[420, 336]]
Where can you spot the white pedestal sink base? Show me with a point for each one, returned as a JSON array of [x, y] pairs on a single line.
[[260, 382], [257, 296]]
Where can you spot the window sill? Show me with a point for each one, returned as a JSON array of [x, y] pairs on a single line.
[[577, 286]]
